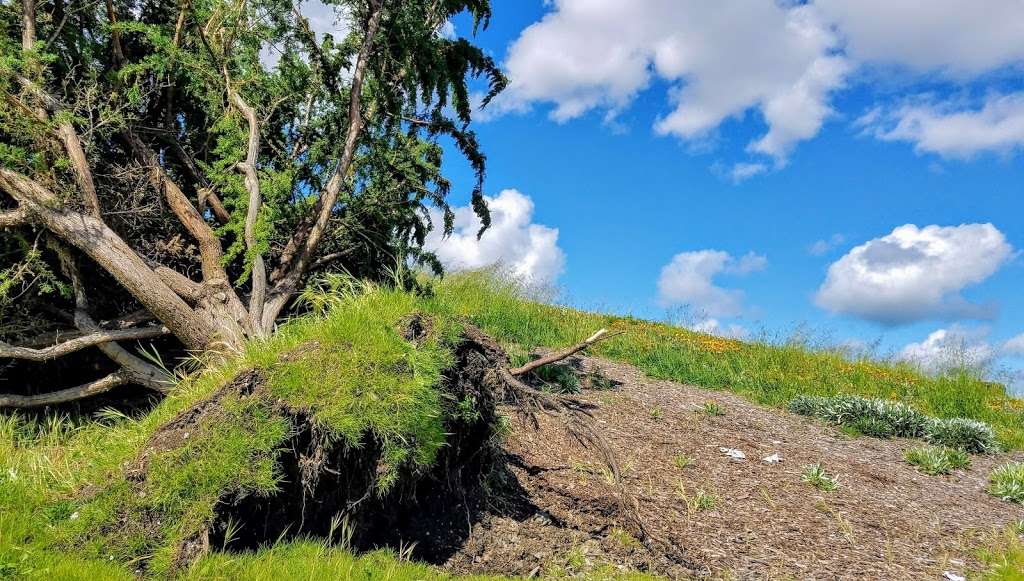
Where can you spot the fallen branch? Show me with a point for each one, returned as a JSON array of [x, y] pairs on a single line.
[[83, 391], [559, 355], [79, 343]]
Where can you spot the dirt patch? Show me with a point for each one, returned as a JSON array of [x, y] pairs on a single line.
[[886, 520]]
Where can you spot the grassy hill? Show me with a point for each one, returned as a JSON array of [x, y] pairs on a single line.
[[114, 496]]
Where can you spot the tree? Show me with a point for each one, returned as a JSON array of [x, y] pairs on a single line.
[[184, 169]]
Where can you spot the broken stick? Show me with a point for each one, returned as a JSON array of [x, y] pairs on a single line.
[[559, 355]]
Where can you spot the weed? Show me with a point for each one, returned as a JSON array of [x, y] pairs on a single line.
[[815, 475], [657, 414], [1007, 482], [682, 461], [623, 538], [713, 409], [963, 434], [598, 381], [702, 501], [937, 460]]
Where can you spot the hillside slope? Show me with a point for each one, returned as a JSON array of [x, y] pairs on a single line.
[[885, 520], [372, 423]]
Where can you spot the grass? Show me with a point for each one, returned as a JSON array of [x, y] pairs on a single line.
[[815, 475], [361, 381], [1007, 482], [682, 461], [713, 409], [766, 373], [889, 419], [936, 460]]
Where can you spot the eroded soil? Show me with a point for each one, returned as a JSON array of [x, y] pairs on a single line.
[[886, 520]]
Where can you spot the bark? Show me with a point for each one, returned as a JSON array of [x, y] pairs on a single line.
[[113, 254], [13, 218]]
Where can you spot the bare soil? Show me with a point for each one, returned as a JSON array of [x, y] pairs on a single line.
[[886, 520]]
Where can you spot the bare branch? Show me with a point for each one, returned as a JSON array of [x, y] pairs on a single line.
[[559, 355], [83, 391], [252, 184], [79, 343]]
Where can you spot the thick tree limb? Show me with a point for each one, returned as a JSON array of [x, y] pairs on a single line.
[[113, 254], [13, 218], [299, 251], [258, 297], [559, 355], [79, 343], [83, 391]]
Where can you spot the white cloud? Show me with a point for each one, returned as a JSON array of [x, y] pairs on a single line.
[[960, 37], [323, 19], [1014, 347], [915, 273], [526, 250], [724, 58], [689, 280], [822, 247], [781, 59], [952, 131], [744, 171], [952, 347], [715, 327]]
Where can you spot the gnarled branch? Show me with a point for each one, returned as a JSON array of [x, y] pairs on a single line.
[[252, 184]]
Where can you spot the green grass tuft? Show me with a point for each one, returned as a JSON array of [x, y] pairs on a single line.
[[1007, 482], [937, 460], [815, 475]]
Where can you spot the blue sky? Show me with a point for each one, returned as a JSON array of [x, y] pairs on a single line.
[[630, 127]]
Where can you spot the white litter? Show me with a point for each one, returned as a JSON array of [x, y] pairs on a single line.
[[773, 459], [951, 576], [733, 453]]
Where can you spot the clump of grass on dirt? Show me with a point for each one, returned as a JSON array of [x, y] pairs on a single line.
[[891, 419], [936, 460], [1007, 482], [713, 409], [767, 373], [816, 476]]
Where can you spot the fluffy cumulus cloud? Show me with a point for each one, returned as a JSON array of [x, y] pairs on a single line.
[[956, 346], [783, 60], [715, 327], [724, 58], [514, 243], [958, 37], [689, 279], [951, 130], [915, 274]]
